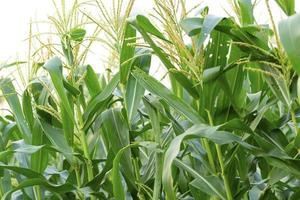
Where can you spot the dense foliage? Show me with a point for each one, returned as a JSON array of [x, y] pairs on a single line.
[[226, 128]]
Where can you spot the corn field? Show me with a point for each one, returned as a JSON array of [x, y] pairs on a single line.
[[221, 124]]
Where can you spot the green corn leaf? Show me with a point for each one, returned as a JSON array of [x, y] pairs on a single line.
[[57, 139], [67, 49], [245, 11], [54, 67], [12, 99], [290, 37], [118, 188], [23, 171], [127, 52], [96, 182], [98, 103], [210, 185], [250, 35], [278, 86], [134, 91], [72, 90], [24, 148], [39, 160], [77, 34], [211, 74], [209, 23], [202, 131], [180, 77], [145, 24], [68, 126], [27, 109], [288, 6], [153, 86], [92, 81], [193, 26], [290, 165], [116, 132], [155, 121], [63, 188]]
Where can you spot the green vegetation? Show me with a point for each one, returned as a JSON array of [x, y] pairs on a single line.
[[226, 128]]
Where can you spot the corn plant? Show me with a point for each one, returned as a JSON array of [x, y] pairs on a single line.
[[226, 128]]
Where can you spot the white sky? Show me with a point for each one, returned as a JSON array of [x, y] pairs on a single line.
[[15, 16]]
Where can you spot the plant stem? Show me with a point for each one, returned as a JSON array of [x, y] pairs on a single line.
[[77, 177], [86, 155], [158, 175], [294, 121], [84, 144], [209, 155], [224, 176], [37, 192], [295, 125], [140, 194], [155, 121], [1, 188], [221, 162], [158, 159]]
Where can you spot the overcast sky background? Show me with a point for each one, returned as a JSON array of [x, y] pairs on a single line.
[[15, 16]]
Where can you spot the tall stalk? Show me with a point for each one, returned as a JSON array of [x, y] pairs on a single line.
[[221, 162], [84, 144], [155, 122]]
